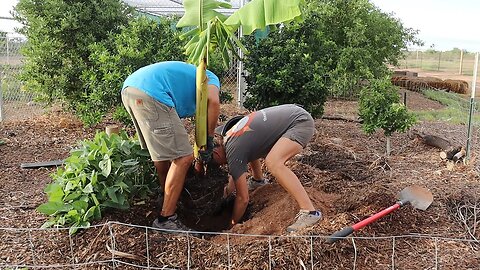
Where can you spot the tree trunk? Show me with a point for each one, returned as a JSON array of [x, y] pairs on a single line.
[[389, 150]]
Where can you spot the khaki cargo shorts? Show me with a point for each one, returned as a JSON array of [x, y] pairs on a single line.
[[158, 126], [303, 129]]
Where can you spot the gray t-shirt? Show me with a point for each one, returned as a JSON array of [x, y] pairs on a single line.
[[255, 134]]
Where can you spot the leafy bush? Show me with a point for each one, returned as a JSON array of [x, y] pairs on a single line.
[[106, 172], [143, 41], [59, 33], [281, 70], [380, 109], [338, 45]]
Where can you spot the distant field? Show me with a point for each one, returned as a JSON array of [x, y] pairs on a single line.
[[450, 61]]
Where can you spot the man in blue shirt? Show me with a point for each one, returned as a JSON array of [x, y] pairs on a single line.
[[157, 96]]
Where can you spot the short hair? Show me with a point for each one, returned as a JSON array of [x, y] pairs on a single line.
[[217, 140]]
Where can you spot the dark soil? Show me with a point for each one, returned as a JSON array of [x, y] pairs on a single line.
[[344, 171]]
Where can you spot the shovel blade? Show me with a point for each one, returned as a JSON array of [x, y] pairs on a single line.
[[417, 196]]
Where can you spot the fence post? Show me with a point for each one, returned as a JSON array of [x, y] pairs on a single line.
[[439, 59], [421, 60], [472, 102], [240, 79], [1, 100], [460, 71], [416, 60]]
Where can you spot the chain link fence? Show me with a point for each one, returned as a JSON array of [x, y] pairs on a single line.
[[15, 102]]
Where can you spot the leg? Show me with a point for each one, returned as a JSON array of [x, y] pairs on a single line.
[[174, 183], [256, 167], [162, 170], [283, 150]]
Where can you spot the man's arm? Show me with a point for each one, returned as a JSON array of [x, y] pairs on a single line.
[[213, 108], [241, 200]]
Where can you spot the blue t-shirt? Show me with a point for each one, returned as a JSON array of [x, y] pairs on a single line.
[[172, 83]]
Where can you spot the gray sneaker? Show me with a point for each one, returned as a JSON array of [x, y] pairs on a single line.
[[172, 223], [303, 220], [254, 184]]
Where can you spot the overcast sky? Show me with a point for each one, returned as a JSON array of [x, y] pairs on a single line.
[[443, 23]]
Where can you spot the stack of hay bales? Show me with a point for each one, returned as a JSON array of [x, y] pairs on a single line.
[[411, 81]]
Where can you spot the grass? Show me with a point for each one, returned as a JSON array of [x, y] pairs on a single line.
[[456, 112]]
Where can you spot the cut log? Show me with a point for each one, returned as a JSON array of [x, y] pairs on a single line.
[[448, 149], [450, 153], [461, 154]]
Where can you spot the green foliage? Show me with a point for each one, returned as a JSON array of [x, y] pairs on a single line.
[[363, 39], [225, 97], [380, 108], [59, 33], [143, 41], [106, 172], [337, 46], [214, 31], [282, 70]]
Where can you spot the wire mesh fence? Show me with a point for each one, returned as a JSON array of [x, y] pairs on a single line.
[[116, 245], [15, 102]]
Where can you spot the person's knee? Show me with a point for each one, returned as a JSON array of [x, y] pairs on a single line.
[[184, 161], [273, 165]]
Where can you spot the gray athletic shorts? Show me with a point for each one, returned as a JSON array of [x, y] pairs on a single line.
[[158, 126], [302, 129]]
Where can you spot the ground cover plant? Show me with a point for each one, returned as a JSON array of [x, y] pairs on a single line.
[[108, 171]]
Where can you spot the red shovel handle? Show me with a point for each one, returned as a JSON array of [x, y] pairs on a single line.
[[357, 226]]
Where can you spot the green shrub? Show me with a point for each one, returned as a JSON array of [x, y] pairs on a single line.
[[106, 172], [339, 45], [380, 109], [142, 42], [281, 70], [58, 35]]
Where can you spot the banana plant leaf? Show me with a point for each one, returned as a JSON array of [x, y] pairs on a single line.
[[258, 14], [199, 12]]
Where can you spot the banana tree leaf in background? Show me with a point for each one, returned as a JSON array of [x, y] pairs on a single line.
[[257, 14], [198, 13]]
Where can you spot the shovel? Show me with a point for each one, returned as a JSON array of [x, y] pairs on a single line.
[[418, 197]]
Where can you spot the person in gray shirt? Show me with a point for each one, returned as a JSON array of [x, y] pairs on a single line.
[[277, 134]]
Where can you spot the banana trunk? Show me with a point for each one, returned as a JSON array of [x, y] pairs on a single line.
[[201, 112]]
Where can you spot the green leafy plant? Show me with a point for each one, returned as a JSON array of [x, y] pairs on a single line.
[[59, 33], [139, 43], [283, 69], [106, 172], [380, 109]]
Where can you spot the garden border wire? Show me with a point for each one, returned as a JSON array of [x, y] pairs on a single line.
[[117, 260]]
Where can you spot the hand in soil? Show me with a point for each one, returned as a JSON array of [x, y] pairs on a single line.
[[199, 169]]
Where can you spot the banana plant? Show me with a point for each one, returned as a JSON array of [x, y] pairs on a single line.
[[212, 31]]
